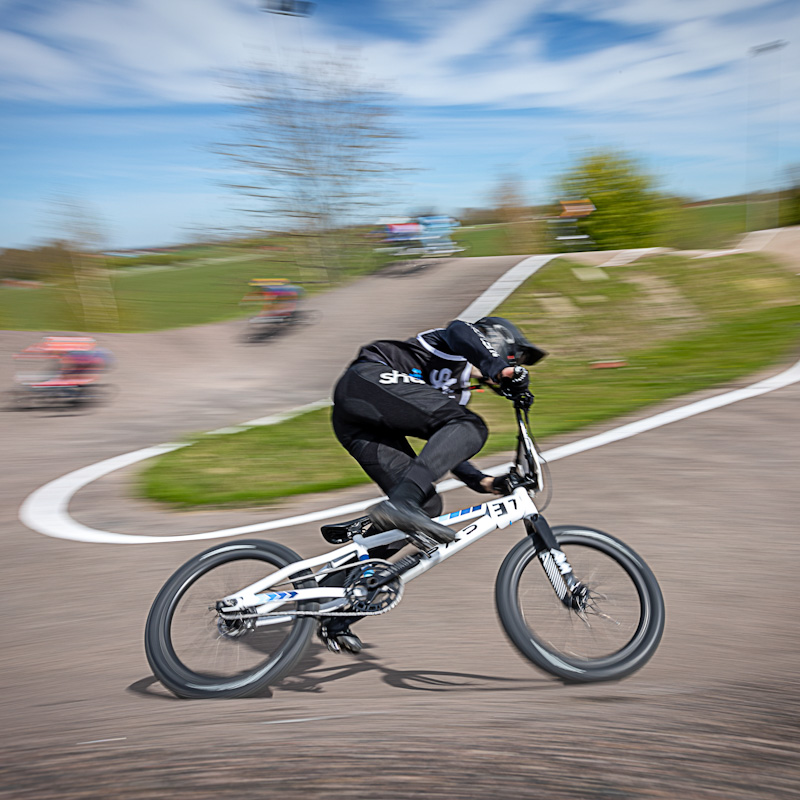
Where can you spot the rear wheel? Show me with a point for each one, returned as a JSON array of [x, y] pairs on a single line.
[[259, 329], [197, 655], [95, 394], [308, 316], [17, 400], [610, 634]]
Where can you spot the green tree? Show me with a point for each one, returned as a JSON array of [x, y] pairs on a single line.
[[629, 209]]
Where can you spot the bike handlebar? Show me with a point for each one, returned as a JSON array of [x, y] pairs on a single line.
[[526, 459], [524, 400]]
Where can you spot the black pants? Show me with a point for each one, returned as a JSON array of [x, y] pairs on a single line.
[[375, 408]]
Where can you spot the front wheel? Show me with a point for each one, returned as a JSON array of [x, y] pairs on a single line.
[[612, 633], [195, 654]]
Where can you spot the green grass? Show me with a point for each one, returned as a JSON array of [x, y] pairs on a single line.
[[205, 284], [575, 399], [248, 468], [520, 238], [696, 228], [149, 297], [713, 227], [131, 263], [142, 301], [681, 325]]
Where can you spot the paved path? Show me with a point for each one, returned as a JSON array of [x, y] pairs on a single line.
[[439, 704]]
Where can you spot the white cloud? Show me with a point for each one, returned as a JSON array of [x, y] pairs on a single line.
[[27, 67], [159, 51], [679, 93], [148, 50]]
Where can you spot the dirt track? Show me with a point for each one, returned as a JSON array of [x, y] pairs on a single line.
[[439, 704]]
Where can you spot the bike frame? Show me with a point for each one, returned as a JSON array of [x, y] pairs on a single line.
[[258, 600]]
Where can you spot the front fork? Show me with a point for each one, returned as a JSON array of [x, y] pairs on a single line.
[[570, 591]]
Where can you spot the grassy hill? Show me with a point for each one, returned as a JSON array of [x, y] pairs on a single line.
[[204, 285], [679, 325]]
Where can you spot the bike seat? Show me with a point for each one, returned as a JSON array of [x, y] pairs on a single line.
[[342, 532]]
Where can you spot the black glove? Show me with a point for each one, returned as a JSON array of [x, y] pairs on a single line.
[[505, 484], [516, 385], [502, 484]]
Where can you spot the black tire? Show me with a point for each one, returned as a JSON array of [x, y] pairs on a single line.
[[308, 316], [17, 400], [96, 394], [191, 665], [628, 610], [256, 331]]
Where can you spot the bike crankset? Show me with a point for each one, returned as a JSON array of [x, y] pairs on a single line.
[[364, 597]]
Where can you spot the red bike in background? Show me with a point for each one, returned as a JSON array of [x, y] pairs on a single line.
[[60, 372]]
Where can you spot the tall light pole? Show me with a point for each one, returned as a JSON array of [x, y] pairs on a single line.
[[754, 52]]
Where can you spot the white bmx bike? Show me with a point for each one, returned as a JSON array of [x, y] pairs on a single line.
[[575, 601]]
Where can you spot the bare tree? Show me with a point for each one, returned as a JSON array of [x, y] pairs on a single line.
[[523, 233], [509, 200], [83, 279], [313, 145]]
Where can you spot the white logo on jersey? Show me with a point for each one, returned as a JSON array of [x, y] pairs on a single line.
[[442, 379], [398, 377]]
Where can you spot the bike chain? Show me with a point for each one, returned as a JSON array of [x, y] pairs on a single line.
[[334, 613], [391, 605]]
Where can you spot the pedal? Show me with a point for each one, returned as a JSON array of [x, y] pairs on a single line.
[[329, 641]]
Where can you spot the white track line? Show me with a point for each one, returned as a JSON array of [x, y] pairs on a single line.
[[46, 509], [625, 257], [751, 243], [101, 741], [317, 719], [503, 287]]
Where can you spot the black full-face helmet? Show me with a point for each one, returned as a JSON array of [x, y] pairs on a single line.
[[509, 341]]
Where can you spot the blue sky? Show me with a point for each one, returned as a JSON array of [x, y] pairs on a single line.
[[116, 103]]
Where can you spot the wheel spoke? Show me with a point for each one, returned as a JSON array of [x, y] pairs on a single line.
[[600, 629], [197, 656]]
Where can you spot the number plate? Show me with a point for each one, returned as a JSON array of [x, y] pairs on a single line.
[[501, 511]]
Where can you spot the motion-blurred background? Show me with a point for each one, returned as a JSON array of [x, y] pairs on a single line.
[[207, 206]]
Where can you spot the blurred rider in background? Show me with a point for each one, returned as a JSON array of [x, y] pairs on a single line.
[[62, 361], [84, 366], [278, 297]]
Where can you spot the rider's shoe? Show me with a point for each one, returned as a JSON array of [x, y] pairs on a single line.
[[409, 518], [337, 636], [347, 640]]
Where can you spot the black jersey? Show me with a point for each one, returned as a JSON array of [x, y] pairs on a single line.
[[441, 357]]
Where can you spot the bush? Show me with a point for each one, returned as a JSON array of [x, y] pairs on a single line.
[[630, 212]]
